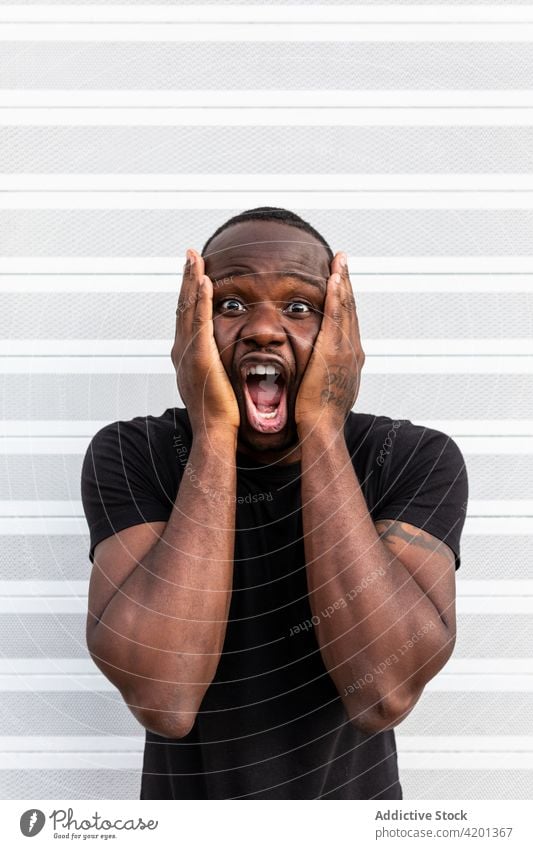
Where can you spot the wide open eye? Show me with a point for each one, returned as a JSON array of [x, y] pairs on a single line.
[[302, 308], [230, 305]]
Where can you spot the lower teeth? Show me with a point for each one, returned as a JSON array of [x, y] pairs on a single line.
[[267, 415]]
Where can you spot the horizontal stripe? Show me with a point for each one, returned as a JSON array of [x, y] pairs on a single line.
[[270, 117], [510, 185], [65, 666], [48, 666], [167, 282], [415, 752], [432, 743], [466, 761], [55, 318], [386, 364], [473, 430], [443, 683], [393, 347], [493, 604], [396, 64], [41, 508], [499, 588], [302, 15], [64, 635], [60, 526], [473, 427], [172, 32], [73, 743], [124, 396], [137, 199], [468, 604], [270, 98], [151, 265], [102, 784], [480, 233], [57, 557], [77, 589], [417, 784], [43, 588], [55, 480], [31, 427], [52, 319], [70, 713], [92, 683], [133, 761], [35, 444], [50, 526], [278, 150], [71, 761], [405, 743]]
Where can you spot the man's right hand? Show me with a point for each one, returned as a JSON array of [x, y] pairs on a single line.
[[201, 377]]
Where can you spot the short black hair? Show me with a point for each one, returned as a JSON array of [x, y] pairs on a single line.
[[271, 213]]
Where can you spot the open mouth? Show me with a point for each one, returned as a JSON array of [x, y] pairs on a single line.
[[265, 392]]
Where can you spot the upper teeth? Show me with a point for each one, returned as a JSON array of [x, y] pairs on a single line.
[[262, 369]]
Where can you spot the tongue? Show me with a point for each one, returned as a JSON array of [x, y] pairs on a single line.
[[264, 392]]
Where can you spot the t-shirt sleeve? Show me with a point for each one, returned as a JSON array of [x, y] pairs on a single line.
[[119, 483], [424, 483]]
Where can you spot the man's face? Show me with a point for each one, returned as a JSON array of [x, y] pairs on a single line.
[[266, 319]]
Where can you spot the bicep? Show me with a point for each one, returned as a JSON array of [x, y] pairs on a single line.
[[115, 558], [429, 561]]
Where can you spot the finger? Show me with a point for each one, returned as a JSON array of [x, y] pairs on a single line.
[[340, 261], [351, 306], [203, 313], [184, 298], [332, 320], [203, 340], [192, 277], [346, 317], [203, 293], [347, 299], [184, 313]]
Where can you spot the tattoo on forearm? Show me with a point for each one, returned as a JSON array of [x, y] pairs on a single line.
[[340, 387], [389, 529]]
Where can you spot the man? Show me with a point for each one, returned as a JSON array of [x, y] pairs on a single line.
[[273, 579]]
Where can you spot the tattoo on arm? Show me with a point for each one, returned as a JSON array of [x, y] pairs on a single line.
[[391, 531], [340, 387]]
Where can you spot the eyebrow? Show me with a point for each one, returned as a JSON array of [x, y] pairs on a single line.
[[318, 282]]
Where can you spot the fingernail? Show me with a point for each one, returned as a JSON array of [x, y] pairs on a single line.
[[343, 260], [191, 257]]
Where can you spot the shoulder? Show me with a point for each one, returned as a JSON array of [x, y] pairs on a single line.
[[151, 450], [142, 433], [399, 445], [367, 433], [369, 426], [375, 430], [416, 475], [131, 472]]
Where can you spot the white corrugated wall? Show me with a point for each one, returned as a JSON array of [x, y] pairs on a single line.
[[404, 132]]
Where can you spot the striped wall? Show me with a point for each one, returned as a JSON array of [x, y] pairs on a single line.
[[128, 132]]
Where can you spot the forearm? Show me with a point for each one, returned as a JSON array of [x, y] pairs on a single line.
[[366, 604], [161, 635]]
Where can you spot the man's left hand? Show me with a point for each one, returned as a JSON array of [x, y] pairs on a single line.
[[331, 380]]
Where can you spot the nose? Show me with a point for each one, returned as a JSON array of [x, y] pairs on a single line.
[[263, 326]]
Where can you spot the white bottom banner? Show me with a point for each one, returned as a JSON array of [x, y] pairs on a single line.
[[490, 823]]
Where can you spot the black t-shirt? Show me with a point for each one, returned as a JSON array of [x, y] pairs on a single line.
[[272, 724]]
